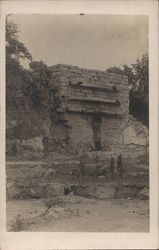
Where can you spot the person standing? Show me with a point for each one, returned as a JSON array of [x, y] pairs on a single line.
[[120, 165], [45, 139], [112, 166]]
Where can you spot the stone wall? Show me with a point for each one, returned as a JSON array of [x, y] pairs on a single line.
[[112, 134], [82, 94], [136, 133]]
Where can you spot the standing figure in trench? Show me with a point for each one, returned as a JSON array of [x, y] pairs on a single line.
[[45, 144], [120, 165], [112, 166], [45, 139]]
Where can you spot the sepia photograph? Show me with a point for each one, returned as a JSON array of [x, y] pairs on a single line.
[[77, 123]]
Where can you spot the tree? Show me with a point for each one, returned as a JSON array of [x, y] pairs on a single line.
[[138, 78], [19, 82], [24, 86], [139, 92], [141, 74], [14, 48], [16, 75], [41, 71], [41, 76]]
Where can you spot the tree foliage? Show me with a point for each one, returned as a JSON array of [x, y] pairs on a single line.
[[41, 76], [29, 86], [138, 78], [26, 89], [16, 75], [14, 48]]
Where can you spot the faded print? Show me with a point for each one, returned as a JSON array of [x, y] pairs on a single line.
[[77, 112]]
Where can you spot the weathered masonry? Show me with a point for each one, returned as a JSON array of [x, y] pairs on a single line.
[[90, 106]]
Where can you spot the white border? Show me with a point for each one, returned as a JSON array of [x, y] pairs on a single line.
[[87, 240]]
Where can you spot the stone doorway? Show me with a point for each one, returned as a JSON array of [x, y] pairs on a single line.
[[96, 125]]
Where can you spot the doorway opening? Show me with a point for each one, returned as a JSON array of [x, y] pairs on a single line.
[[96, 125]]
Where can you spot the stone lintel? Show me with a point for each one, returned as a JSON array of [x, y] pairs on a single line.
[[97, 87], [93, 112], [98, 100]]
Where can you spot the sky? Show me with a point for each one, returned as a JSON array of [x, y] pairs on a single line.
[[87, 41]]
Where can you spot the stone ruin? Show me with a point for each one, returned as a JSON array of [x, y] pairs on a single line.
[[89, 108]]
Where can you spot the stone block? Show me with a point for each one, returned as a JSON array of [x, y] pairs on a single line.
[[54, 189], [50, 175], [12, 191], [98, 192], [127, 191], [143, 194]]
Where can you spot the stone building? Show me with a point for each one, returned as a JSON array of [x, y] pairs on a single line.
[[89, 108]]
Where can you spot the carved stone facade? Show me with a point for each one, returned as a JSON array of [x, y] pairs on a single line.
[[90, 106]]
